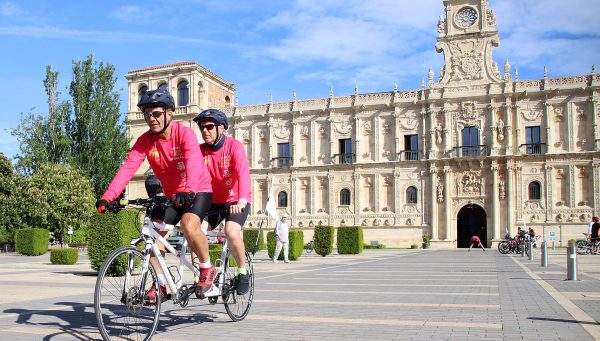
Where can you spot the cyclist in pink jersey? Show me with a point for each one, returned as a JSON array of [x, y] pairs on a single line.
[[172, 151], [227, 163]]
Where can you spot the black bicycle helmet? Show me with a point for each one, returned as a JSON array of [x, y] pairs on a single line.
[[160, 96], [215, 115]]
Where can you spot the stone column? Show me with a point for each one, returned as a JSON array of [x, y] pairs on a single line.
[[270, 142], [495, 203], [331, 198], [356, 198], [431, 146], [295, 136], [357, 156], [508, 127], [448, 201], [510, 200], [493, 132], [570, 128], [332, 150], [519, 136], [434, 210], [549, 191], [375, 203], [311, 192], [549, 125], [596, 179], [293, 196], [397, 201], [376, 132], [595, 112]]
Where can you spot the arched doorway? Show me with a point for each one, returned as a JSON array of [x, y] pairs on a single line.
[[471, 220]]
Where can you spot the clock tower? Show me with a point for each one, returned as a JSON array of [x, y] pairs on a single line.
[[466, 37]]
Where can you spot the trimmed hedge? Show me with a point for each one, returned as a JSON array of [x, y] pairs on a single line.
[[350, 240], [110, 231], [296, 240], [324, 239], [66, 256], [214, 251], [32, 242], [250, 240]]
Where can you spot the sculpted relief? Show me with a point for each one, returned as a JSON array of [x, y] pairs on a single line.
[[469, 183]]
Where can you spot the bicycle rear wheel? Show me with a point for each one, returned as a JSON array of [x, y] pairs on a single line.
[[583, 247], [119, 305], [237, 306]]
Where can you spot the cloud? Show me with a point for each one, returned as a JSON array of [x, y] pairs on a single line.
[[127, 13], [9, 9]]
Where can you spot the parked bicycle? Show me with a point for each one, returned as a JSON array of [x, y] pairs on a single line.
[[310, 246], [512, 244], [586, 246], [127, 274]]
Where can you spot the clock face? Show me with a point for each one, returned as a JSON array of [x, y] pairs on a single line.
[[466, 17]]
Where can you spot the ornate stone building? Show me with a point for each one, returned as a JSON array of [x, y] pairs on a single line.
[[475, 151]]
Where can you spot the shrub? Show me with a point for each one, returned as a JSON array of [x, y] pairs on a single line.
[[79, 236], [296, 240], [414, 246], [250, 240], [324, 239], [108, 232], [350, 240], [377, 246], [64, 256], [32, 242], [215, 250]]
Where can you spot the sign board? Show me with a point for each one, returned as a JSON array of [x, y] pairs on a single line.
[[552, 235], [70, 230]]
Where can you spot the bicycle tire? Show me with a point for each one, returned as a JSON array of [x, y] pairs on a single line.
[[237, 306], [504, 247], [119, 308], [583, 247]]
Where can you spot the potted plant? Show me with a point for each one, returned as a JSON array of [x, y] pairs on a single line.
[[426, 240]]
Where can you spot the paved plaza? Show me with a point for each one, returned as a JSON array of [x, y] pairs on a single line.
[[378, 295]]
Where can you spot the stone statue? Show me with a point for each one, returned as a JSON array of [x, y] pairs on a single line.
[[438, 134], [500, 128]]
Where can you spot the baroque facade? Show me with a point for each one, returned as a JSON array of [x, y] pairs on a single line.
[[475, 151]]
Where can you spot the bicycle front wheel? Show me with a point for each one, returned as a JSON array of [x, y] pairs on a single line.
[[583, 247], [237, 306], [121, 312], [504, 247]]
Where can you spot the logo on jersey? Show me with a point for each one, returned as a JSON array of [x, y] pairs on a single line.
[[154, 154], [176, 153]]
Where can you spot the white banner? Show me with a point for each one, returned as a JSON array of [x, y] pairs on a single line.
[[271, 208]]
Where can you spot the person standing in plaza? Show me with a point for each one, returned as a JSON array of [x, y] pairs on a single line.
[[475, 241], [281, 239]]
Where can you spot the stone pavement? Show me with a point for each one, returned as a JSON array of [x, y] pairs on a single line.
[[379, 295]]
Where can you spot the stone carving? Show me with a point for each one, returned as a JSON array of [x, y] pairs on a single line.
[[385, 128], [409, 222], [500, 129], [387, 222], [364, 222], [344, 128], [245, 137], [559, 113], [466, 59], [282, 133], [322, 132], [583, 173], [376, 222], [261, 137], [441, 25], [304, 133], [560, 218], [580, 112], [409, 123], [470, 183], [440, 192], [367, 129], [531, 114], [438, 134], [501, 190], [490, 18]]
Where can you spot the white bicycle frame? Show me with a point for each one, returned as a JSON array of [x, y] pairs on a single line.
[[151, 236]]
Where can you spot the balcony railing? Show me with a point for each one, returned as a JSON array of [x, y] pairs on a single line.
[[344, 158], [409, 155], [281, 162], [533, 148], [470, 151]]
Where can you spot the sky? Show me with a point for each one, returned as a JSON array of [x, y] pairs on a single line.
[[273, 47]]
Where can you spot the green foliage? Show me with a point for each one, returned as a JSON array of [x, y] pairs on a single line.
[[414, 246], [214, 251], [79, 236], [108, 232], [98, 135], [350, 240], [324, 239], [68, 197], [32, 242], [377, 246], [426, 238], [250, 236], [66, 256], [90, 134]]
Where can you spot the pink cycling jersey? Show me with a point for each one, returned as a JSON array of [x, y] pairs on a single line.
[[174, 161], [229, 171]]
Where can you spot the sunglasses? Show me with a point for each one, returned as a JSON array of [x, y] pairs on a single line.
[[155, 114], [209, 126]]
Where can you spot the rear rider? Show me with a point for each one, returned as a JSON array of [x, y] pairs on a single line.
[[227, 163], [172, 151]]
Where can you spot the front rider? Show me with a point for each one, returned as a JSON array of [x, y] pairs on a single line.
[[227, 162], [173, 153]]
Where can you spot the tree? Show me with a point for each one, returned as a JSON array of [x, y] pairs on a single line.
[[21, 204], [99, 137], [68, 197], [90, 135]]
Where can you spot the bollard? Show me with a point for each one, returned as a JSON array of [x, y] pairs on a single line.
[[523, 248], [571, 262], [544, 255], [530, 246]]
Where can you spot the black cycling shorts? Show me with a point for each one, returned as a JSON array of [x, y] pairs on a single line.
[[172, 215], [219, 212]]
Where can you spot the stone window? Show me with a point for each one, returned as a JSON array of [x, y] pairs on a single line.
[[411, 195], [535, 192], [183, 93], [282, 199], [345, 197]]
